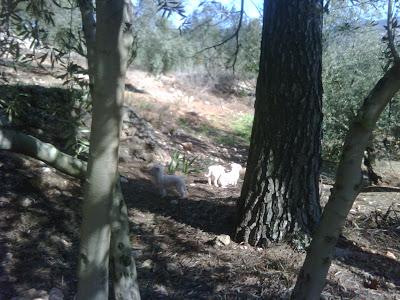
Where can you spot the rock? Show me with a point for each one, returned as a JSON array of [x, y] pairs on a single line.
[[187, 146], [26, 202], [163, 246], [173, 267], [32, 294], [174, 202], [161, 289], [56, 294], [221, 240], [391, 255], [46, 170], [147, 264], [136, 253], [390, 285], [224, 239]]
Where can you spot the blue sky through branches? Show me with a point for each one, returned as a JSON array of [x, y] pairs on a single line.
[[252, 8]]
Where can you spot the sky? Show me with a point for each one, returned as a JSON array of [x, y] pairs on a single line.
[[250, 6]]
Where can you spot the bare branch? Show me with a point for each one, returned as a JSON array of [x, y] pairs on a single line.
[[234, 35]]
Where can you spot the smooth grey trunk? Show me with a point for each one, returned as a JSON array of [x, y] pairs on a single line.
[[312, 277], [112, 29], [124, 269], [280, 196], [18, 142], [124, 275]]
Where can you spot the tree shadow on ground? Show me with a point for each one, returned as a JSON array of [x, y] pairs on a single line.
[[174, 266], [38, 231], [376, 264], [211, 214]]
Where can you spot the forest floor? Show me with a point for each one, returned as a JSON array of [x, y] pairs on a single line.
[[174, 240]]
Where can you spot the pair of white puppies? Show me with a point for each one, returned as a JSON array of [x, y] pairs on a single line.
[[163, 181], [217, 175]]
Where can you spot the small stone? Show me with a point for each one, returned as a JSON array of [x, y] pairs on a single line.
[[9, 256], [35, 294], [56, 294], [390, 255], [174, 202], [163, 246], [224, 239], [26, 202], [390, 285], [188, 146], [161, 289], [147, 264], [136, 253], [46, 170], [172, 267]]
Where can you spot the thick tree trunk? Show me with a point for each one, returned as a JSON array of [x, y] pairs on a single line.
[[311, 279], [112, 30], [280, 192], [28, 145]]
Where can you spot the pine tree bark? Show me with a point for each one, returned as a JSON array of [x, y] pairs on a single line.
[[280, 195], [112, 31], [311, 279]]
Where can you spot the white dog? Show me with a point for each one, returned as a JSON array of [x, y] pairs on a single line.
[[232, 177], [214, 173], [162, 181]]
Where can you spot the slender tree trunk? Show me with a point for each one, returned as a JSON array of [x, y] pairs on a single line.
[[89, 30], [124, 269], [280, 192], [111, 60], [311, 279]]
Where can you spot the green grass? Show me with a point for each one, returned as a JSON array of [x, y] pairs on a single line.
[[240, 130], [242, 126]]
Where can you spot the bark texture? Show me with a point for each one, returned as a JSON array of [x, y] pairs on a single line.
[[28, 145], [311, 279], [89, 30], [110, 68], [280, 195], [124, 269]]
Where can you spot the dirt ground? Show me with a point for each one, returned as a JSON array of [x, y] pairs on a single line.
[[173, 240]]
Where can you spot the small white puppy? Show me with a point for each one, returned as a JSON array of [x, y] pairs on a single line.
[[214, 173], [232, 177], [162, 181]]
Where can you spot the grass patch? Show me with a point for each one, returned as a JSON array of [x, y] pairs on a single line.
[[242, 126]]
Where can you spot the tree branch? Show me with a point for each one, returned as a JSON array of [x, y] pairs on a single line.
[[235, 36], [14, 141]]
